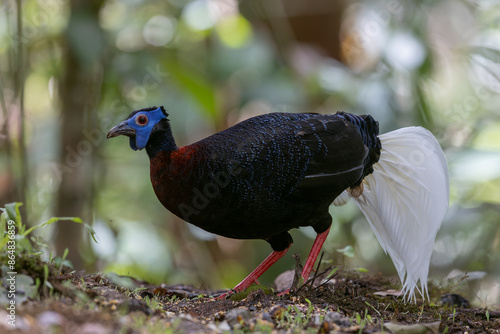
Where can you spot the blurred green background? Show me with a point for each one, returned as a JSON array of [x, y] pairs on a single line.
[[72, 69]]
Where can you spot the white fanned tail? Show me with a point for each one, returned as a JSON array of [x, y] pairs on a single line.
[[405, 200]]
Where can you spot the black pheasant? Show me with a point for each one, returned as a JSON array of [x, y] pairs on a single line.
[[271, 173]]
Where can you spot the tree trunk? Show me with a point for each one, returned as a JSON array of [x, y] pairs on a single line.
[[14, 180], [78, 91]]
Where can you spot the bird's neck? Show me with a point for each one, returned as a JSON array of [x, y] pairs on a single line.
[[161, 141]]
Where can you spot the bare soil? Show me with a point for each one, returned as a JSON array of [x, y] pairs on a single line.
[[348, 303]]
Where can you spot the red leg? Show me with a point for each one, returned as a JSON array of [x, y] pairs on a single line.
[[313, 255], [254, 275]]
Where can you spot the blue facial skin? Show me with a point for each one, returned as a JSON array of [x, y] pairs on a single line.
[[143, 130]]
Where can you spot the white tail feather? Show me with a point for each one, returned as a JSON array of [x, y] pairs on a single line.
[[405, 200]]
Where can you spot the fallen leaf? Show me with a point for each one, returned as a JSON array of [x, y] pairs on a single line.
[[390, 292], [432, 327]]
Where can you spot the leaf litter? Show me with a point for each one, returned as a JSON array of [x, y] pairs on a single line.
[[346, 302]]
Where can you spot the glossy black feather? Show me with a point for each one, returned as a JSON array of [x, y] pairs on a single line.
[[266, 175]]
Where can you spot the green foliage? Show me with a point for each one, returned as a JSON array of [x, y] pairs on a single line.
[[331, 273], [362, 321], [370, 305], [155, 304], [120, 281], [135, 291], [296, 319], [61, 262], [347, 251], [142, 323], [11, 213], [24, 284], [22, 255]]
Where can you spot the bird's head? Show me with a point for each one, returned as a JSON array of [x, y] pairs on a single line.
[[139, 126]]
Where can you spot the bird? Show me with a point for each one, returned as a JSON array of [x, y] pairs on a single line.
[[272, 173]]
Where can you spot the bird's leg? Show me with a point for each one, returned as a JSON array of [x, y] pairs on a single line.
[[313, 255], [254, 275]]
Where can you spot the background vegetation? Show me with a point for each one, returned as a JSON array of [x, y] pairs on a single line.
[[71, 69]]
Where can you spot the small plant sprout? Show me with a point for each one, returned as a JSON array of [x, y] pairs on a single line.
[[367, 303], [153, 303]]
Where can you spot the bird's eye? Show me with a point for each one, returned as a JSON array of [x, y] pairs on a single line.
[[141, 120]]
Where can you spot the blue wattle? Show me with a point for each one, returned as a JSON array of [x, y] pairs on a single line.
[[132, 143], [142, 137]]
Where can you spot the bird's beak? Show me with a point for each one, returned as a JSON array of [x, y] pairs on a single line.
[[121, 129]]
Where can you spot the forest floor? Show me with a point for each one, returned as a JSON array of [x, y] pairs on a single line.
[[58, 300]]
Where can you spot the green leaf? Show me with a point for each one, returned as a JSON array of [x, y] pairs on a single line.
[[91, 231], [56, 219], [12, 210], [334, 270], [25, 288], [121, 281], [65, 254], [347, 251], [23, 245]]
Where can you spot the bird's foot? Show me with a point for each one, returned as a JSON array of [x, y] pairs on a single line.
[[236, 289], [224, 295], [227, 294], [233, 291], [286, 292]]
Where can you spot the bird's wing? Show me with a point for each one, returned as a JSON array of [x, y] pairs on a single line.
[[264, 158], [339, 153], [275, 154]]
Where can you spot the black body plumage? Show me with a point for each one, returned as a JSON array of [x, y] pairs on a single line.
[[266, 175], [271, 173]]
